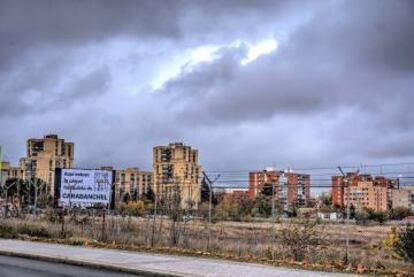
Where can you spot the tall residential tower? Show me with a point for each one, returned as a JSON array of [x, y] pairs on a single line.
[[176, 170], [44, 156]]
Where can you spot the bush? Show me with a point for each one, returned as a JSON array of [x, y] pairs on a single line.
[[134, 208], [379, 216], [51, 216], [33, 231], [404, 245], [299, 238], [361, 217], [400, 213], [366, 215], [7, 232]]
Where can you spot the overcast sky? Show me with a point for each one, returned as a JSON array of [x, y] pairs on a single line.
[[248, 83]]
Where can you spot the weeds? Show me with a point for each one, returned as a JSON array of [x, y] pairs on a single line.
[[305, 242]]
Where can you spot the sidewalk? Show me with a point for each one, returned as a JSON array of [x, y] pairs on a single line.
[[144, 263]]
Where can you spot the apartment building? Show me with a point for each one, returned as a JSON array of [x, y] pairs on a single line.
[[176, 170], [44, 156], [403, 197], [9, 172], [130, 184], [290, 188], [367, 195], [365, 191], [258, 178]]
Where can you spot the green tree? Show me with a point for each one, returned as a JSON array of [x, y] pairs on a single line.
[[267, 189], [361, 217], [325, 199], [400, 213], [149, 195], [262, 206], [205, 191], [378, 216]]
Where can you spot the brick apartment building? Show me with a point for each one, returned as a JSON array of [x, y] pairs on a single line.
[[258, 178], [365, 191], [290, 188], [175, 169]]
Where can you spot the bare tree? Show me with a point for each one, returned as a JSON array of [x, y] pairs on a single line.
[[175, 212], [300, 238]]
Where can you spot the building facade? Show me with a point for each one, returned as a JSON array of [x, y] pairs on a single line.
[[258, 178], [9, 172], [365, 191], [289, 188], [367, 195], [403, 197], [177, 173], [130, 184], [44, 156]]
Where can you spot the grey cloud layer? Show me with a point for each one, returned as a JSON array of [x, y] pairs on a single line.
[[338, 89]]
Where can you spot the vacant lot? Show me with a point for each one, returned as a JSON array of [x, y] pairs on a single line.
[[306, 242]]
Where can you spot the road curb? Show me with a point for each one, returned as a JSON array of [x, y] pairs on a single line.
[[113, 268]]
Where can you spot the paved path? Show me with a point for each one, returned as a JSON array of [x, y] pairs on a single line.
[[147, 264], [19, 267]]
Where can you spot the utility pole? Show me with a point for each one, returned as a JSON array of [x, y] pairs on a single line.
[[1, 178], [348, 216], [210, 203], [273, 203], [155, 214], [273, 211], [346, 182]]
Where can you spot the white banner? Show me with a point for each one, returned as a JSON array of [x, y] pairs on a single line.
[[83, 186]]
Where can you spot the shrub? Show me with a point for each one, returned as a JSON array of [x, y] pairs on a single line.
[[51, 216], [361, 217], [134, 208], [378, 216], [404, 245], [400, 213], [300, 238], [7, 232], [33, 231]]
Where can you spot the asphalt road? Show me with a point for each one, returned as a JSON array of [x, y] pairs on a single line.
[[19, 267]]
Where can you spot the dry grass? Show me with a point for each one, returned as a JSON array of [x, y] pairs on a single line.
[[236, 240]]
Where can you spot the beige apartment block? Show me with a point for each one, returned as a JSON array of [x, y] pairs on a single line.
[[365, 194], [176, 170], [130, 184], [44, 156], [403, 197], [9, 172]]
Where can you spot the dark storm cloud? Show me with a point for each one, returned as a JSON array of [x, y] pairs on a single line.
[[91, 85], [361, 57], [29, 24], [36, 89]]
